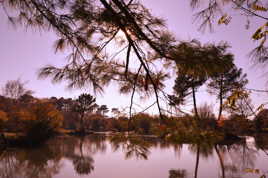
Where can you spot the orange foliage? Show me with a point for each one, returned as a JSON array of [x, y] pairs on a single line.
[[41, 112], [3, 116]]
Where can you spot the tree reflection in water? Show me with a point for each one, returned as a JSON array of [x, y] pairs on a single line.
[[34, 163], [47, 160], [132, 146], [234, 159], [261, 142], [83, 161], [179, 173], [201, 149], [82, 164]]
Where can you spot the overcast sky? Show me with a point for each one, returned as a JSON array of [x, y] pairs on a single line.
[[23, 52]]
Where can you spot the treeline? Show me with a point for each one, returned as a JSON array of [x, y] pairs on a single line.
[[34, 120]]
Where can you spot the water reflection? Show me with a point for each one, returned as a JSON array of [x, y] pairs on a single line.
[[132, 147], [79, 155], [261, 142], [235, 159], [177, 173], [83, 164], [43, 163]]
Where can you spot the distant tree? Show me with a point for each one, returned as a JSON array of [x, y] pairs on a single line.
[[85, 103], [15, 89], [207, 117], [115, 111], [206, 111], [222, 84], [103, 109], [26, 99], [66, 107], [63, 104]]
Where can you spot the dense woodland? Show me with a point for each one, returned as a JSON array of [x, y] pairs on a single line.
[[88, 30]]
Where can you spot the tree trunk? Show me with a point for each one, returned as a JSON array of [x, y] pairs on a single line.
[[82, 127], [2, 136], [197, 162], [221, 162], [221, 98], [194, 100]]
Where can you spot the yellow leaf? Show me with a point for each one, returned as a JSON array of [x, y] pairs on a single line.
[[249, 170], [261, 107], [258, 34], [258, 7], [225, 19]]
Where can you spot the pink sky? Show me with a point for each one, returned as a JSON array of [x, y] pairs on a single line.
[[23, 52]]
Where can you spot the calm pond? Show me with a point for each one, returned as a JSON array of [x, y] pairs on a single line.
[[102, 157]]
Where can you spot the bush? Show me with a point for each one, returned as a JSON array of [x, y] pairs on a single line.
[[39, 122], [97, 122], [120, 124], [261, 120], [237, 125], [142, 123]]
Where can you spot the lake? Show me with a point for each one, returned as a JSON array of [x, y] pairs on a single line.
[[98, 156]]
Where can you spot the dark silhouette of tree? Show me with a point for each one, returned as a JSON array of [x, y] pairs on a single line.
[[116, 112], [26, 99], [102, 109], [15, 89], [195, 64], [63, 104], [85, 103], [222, 84], [186, 85]]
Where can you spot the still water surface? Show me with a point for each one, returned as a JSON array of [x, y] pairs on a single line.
[[101, 157]]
